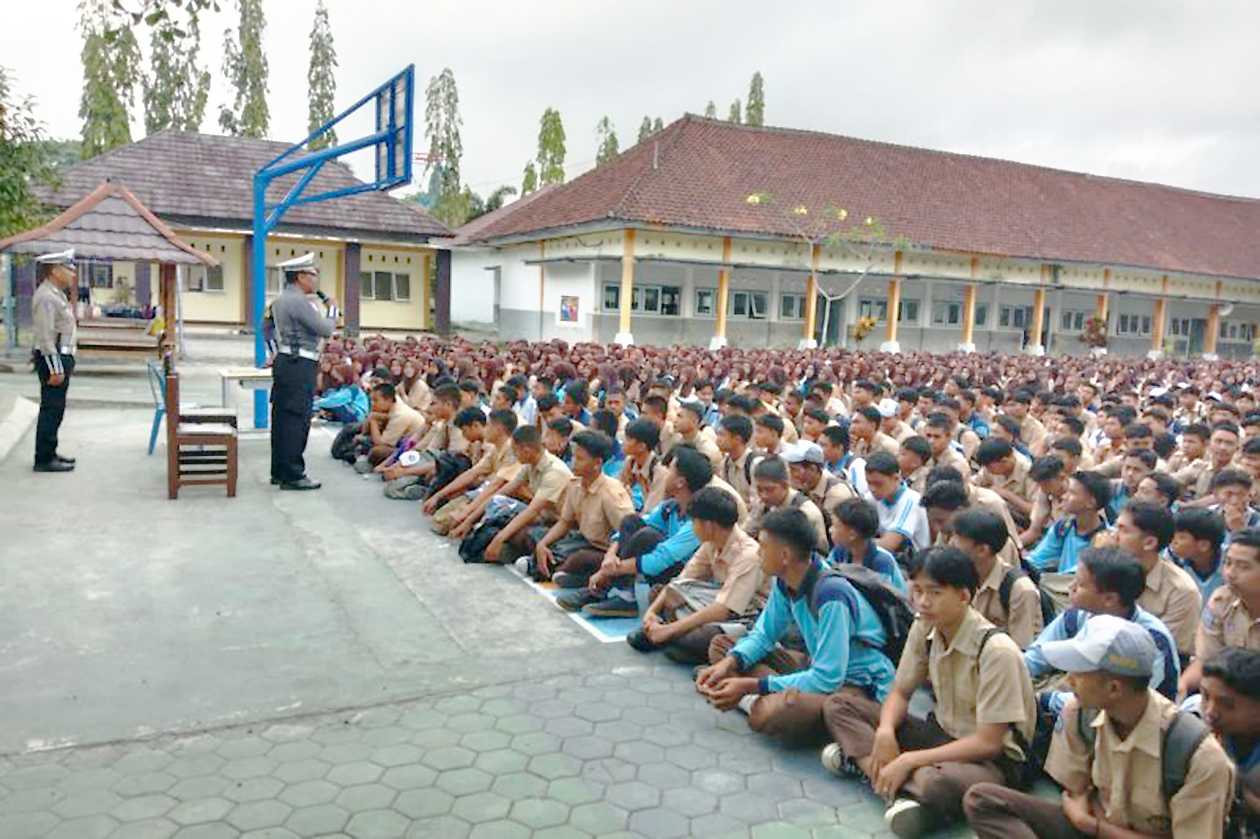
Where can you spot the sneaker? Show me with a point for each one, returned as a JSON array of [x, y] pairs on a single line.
[[639, 640], [522, 566], [611, 607], [746, 703], [575, 599], [835, 761], [906, 818], [564, 579]]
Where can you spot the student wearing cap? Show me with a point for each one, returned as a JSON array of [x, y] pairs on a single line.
[[1231, 617], [891, 423], [1231, 707], [773, 485], [1109, 761], [805, 463], [299, 327], [53, 326]]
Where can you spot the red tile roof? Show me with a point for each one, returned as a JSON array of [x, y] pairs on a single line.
[[705, 169]]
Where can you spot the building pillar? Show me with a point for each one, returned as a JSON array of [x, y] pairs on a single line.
[[352, 256], [1159, 314], [1037, 333], [718, 341], [624, 337], [1213, 331], [894, 305], [808, 341], [247, 284], [442, 313], [968, 343]]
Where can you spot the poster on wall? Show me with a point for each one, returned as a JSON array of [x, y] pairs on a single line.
[[568, 309]]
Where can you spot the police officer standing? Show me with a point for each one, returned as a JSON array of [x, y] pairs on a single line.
[[299, 326], [53, 353]]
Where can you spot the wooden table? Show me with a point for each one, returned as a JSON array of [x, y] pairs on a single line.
[[249, 378]]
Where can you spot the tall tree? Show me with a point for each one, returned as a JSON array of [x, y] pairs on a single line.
[[608, 146], [176, 88], [734, 115], [755, 111], [710, 110], [245, 66], [446, 148], [551, 148], [25, 160], [529, 181], [111, 71], [645, 129], [321, 81], [657, 125]]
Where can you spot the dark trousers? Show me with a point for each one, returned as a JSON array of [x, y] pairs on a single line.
[[998, 812], [292, 394], [52, 407]]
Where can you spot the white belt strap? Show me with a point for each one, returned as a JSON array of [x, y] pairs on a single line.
[[311, 354]]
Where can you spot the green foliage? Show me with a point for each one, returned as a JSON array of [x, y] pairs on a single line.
[[529, 181], [710, 110], [551, 148], [62, 153], [645, 129], [446, 148], [657, 125], [26, 159], [755, 112], [175, 88], [734, 115], [156, 14], [497, 198], [608, 147], [111, 71], [321, 81], [245, 66]]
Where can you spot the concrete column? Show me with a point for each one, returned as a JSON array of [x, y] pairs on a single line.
[[1037, 332], [1213, 331], [247, 283], [1159, 314], [894, 304], [718, 341], [808, 341], [968, 343], [624, 337], [542, 283], [352, 256], [442, 313]]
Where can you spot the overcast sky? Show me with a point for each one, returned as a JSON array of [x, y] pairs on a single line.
[[1160, 91]]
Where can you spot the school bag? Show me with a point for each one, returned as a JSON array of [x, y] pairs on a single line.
[[472, 548], [1180, 741], [891, 606], [1026, 569]]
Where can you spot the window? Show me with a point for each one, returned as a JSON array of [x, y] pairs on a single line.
[[273, 280], [1072, 320], [402, 287], [201, 278], [982, 313], [706, 302], [1133, 325], [908, 311], [1014, 317], [612, 298], [651, 299], [1179, 326], [869, 307], [944, 312], [749, 304], [1234, 331], [97, 274], [671, 297], [792, 307], [385, 286]]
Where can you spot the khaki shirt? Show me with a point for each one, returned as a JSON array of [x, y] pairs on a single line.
[[1023, 622], [801, 501], [987, 499], [970, 693], [1017, 483], [1225, 623], [917, 480], [968, 439], [1046, 509], [826, 498], [901, 431], [419, 396], [736, 567], [741, 506], [953, 457], [1031, 431], [880, 442], [1172, 596], [738, 473], [548, 478], [499, 461], [403, 420], [705, 444], [597, 510], [654, 474], [1128, 774]]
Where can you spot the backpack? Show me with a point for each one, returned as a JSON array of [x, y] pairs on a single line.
[[1180, 741], [1026, 569], [891, 606], [343, 446], [472, 548]]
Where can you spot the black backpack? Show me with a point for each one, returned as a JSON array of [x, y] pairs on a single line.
[[472, 548], [1026, 569], [890, 605], [1181, 740]]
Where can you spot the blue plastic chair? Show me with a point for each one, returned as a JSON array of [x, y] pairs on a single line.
[[159, 402]]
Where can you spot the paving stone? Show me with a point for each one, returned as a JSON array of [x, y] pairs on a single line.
[[218, 830], [533, 692], [519, 785], [339, 753], [718, 781], [485, 741], [146, 829], [254, 789], [610, 770], [449, 757], [435, 738], [142, 761], [639, 752], [468, 723], [689, 801], [691, 757], [309, 793], [351, 774], [537, 813], [399, 754], [197, 765], [459, 704], [574, 791], [194, 788], [802, 811], [248, 767], [29, 825], [317, 820], [409, 777], [718, 825], [143, 807], [377, 824], [244, 747], [388, 735], [422, 803], [438, 827], [588, 748], [746, 760], [197, 744], [780, 830], [569, 727], [258, 814], [288, 732], [599, 818], [294, 751], [367, 797], [618, 731], [664, 776], [481, 807], [555, 765], [87, 803], [549, 709], [91, 827], [666, 735], [502, 707], [30, 800], [198, 812], [499, 830], [518, 723], [146, 783], [85, 779], [501, 761], [464, 781], [832, 792], [645, 716], [378, 717], [774, 785], [660, 823], [332, 735], [749, 808], [563, 831], [271, 833], [536, 743], [418, 719], [633, 795], [309, 769], [34, 777]]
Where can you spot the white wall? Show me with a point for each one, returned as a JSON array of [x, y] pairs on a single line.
[[472, 285]]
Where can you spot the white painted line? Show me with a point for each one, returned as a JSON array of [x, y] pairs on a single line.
[[573, 616]]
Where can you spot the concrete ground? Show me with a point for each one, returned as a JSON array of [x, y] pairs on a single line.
[[312, 664]]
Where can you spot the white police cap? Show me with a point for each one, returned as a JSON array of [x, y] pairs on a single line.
[[304, 264], [65, 257]]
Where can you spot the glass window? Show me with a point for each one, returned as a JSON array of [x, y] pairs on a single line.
[[1146, 324], [195, 280], [402, 287], [101, 275], [760, 304], [1004, 316], [273, 279], [945, 312], [739, 304], [651, 298], [636, 300], [671, 295], [1018, 317], [982, 313], [705, 301], [214, 278], [367, 288], [791, 306], [384, 285], [1224, 329], [869, 307], [908, 311], [612, 298]]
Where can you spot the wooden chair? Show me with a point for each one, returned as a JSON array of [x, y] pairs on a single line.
[[198, 452], [187, 413]]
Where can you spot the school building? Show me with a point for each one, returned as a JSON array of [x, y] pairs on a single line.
[[710, 233], [373, 249]]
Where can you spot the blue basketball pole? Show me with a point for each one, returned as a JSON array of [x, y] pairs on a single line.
[[393, 141]]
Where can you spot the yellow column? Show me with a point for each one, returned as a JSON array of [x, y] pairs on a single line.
[[627, 288], [425, 266], [1038, 325], [723, 292], [969, 310], [811, 299], [1158, 317], [894, 305], [1213, 330], [1100, 306]]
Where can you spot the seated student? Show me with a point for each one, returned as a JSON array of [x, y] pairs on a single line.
[[902, 520], [865, 438], [496, 467], [774, 492], [343, 401], [840, 461], [556, 439], [1135, 465], [391, 420], [1231, 617], [805, 466], [614, 402], [854, 526], [1144, 530], [721, 583], [548, 410], [688, 429], [1006, 472], [1108, 581], [643, 473], [842, 634], [413, 483], [734, 433], [655, 546], [915, 459], [982, 536], [985, 709], [1232, 490], [593, 507], [1050, 477], [1231, 708], [1086, 497], [1197, 544], [768, 435], [534, 495], [576, 396], [1159, 488], [980, 498], [656, 409], [605, 422], [937, 430], [815, 420], [1109, 761], [1006, 427]]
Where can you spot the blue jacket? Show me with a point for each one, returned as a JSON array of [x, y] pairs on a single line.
[[1207, 584], [844, 639], [680, 540], [348, 403], [1059, 549], [977, 424], [877, 559]]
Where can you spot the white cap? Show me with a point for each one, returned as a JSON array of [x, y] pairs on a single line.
[[65, 257], [887, 408], [1107, 644], [803, 451], [304, 264]]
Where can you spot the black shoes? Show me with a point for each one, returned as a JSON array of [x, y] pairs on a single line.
[[303, 483], [64, 459], [639, 640], [54, 465]]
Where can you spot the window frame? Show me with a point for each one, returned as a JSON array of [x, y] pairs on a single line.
[[206, 277], [798, 306], [947, 313], [876, 307], [712, 305], [639, 301]]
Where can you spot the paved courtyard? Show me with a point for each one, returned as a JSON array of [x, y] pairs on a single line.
[[289, 664]]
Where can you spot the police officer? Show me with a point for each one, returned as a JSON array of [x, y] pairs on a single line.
[[53, 353], [299, 326]]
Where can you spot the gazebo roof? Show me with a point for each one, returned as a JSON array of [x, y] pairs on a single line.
[[109, 223]]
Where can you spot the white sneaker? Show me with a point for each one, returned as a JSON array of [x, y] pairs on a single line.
[[835, 761], [522, 566], [746, 702], [906, 818]]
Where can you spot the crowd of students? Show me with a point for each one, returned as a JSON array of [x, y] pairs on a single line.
[[956, 574]]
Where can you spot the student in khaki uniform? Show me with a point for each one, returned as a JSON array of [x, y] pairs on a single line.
[[643, 475], [805, 465], [936, 430], [1231, 706], [1114, 787], [915, 460], [688, 429], [721, 583], [1171, 594], [982, 536], [1049, 476], [734, 434], [1030, 428], [865, 436], [391, 420], [496, 468], [1006, 472], [985, 709], [594, 505], [774, 492], [1231, 617]]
